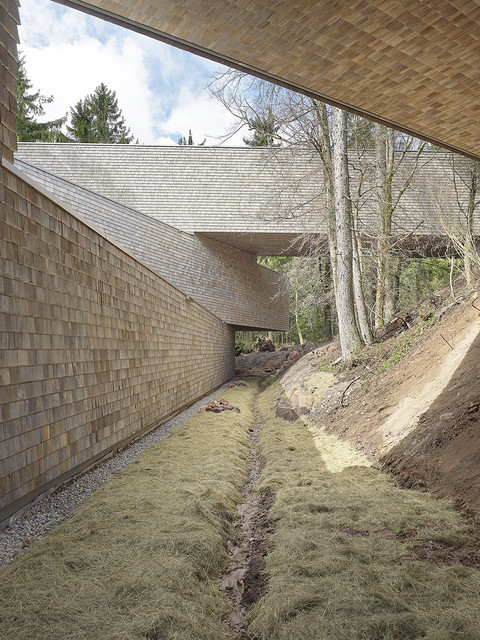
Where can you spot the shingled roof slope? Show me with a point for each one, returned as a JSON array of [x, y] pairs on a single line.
[[223, 191], [415, 65], [226, 281]]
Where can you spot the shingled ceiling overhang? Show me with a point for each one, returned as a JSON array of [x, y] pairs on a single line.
[[413, 65]]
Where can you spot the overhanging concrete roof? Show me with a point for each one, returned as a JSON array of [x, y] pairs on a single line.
[[414, 65]]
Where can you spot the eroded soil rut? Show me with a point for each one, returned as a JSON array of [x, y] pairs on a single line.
[[243, 581]]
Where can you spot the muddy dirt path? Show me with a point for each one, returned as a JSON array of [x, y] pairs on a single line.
[[243, 581]]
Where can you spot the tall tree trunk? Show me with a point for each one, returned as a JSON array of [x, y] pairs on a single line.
[[327, 169], [349, 336], [363, 320], [359, 294], [297, 319], [392, 288], [470, 249], [384, 156], [327, 284]]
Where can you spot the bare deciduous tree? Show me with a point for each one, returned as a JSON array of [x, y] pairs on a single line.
[[347, 323]]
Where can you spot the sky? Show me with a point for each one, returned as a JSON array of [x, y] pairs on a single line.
[[161, 90]]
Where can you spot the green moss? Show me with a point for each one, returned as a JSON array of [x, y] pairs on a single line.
[[406, 341]]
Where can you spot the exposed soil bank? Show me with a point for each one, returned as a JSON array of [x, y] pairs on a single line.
[[354, 557], [419, 418], [417, 414]]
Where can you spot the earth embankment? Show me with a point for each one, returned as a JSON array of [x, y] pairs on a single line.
[[419, 417]]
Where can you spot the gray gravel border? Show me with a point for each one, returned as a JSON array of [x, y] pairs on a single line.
[[54, 509]]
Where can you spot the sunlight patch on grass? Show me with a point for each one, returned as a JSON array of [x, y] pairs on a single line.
[[336, 568], [141, 559], [337, 455]]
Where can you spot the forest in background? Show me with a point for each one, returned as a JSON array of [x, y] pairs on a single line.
[[354, 283]]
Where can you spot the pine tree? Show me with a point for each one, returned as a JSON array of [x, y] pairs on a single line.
[[183, 141], [81, 126], [98, 118], [29, 106], [264, 131]]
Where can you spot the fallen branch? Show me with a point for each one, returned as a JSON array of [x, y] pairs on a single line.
[[349, 385], [217, 406], [447, 342]]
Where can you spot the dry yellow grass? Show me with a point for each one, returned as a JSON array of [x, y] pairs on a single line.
[[327, 584], [142, 558]]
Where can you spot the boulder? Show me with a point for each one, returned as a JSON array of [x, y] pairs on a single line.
[[285, 410]]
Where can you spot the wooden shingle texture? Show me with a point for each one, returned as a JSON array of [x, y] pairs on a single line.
[[96, 347], [413, 65], [258, 200], [8, 77], [225, 280]]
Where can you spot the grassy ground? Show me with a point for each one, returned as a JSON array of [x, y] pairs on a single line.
[[142, 558], [340, 566]]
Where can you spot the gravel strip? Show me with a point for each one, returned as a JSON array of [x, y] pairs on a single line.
[[43, 516]]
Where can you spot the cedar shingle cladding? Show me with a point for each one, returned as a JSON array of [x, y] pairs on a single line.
[[8, 77], [225, 280], [413, 65], [256, 199], [96, 348]]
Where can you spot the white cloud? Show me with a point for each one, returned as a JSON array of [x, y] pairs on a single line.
[[165, 141], [204, 116], [159, 88], [71, 77]]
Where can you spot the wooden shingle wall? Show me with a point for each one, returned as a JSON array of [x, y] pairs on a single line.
[[8, 77], [253, 198], [227, 281], [96, 348]]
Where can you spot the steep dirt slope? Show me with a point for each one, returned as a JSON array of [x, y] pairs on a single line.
[[421, 418]]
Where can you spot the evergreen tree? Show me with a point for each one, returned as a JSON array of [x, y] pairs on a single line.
[[98, 118], [81, 122], [29, 107], [264, 131], [183, 141]]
